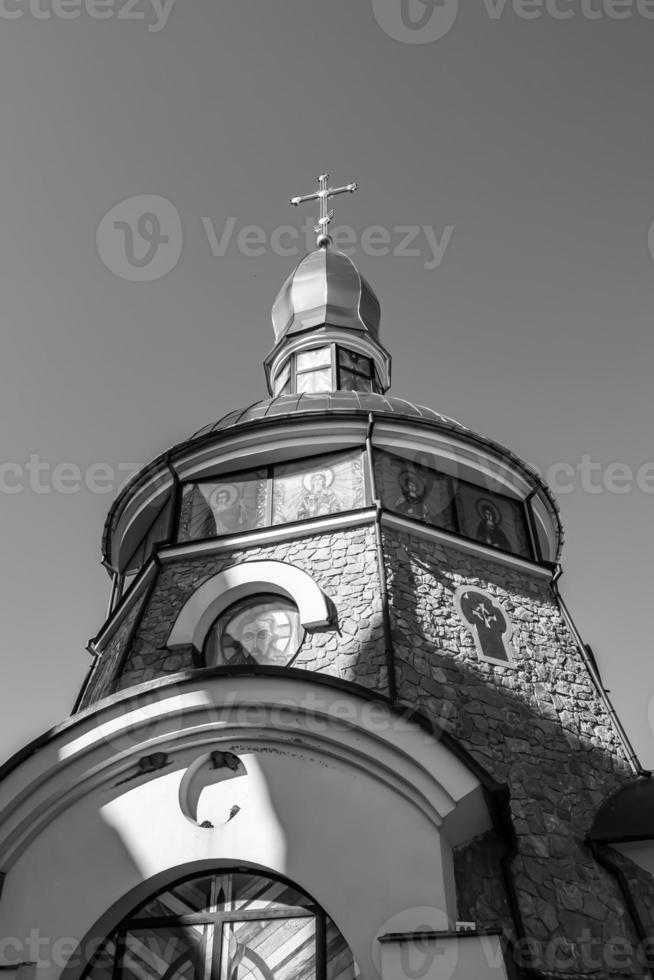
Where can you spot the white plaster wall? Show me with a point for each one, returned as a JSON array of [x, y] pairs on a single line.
[[352, 814], [346, 839]]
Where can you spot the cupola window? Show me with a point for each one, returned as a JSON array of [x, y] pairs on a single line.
[[327, 368], [260, 630], [313, 370], [355, 371]]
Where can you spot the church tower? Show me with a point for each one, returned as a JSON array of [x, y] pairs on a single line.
[[339, 721]]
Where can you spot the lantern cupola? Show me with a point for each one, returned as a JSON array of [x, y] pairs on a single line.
[[326, 321]]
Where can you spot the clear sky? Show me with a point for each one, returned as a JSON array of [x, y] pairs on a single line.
[[522, 145]]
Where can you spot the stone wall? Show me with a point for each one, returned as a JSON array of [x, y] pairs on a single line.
[[343, 564], [541, 729], [480, 892]]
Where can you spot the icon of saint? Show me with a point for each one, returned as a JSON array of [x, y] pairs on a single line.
[[318, 499], [229, 511], [411, 502], [488, 529], [256, 639]]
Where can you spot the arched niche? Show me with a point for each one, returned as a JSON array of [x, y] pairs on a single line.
[[247, 579]]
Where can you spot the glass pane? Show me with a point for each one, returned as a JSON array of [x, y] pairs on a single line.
[[409, 488], [354, 382], [492, 519], [237, 503], [319, 357], [170, 953], [340, 962], [102, 964], [238, 892], [284, 375], [258, 630], [281, 949], [314, 381], [187, 897], [318, 486], [357, 362]]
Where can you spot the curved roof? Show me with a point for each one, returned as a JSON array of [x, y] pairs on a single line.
[[325, 287], [327, 402], [628, 815]]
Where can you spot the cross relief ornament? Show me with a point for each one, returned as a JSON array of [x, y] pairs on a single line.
[[488, 622], [324, 194]]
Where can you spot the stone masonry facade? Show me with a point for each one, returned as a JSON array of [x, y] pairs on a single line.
[[540, 728], [344, 565]]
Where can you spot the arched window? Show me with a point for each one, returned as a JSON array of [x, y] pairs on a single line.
[[230, 925], [262, 629]]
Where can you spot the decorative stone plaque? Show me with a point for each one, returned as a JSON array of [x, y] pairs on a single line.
[[488, 621]]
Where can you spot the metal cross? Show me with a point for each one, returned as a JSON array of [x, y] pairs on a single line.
[[323, 194]]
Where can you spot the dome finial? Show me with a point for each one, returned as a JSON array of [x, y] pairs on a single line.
[[323, 194]]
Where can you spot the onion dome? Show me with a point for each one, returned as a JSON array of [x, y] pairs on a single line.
[[326, 321], [325, 288]]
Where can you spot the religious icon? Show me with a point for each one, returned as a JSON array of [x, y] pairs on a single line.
[[318, 499], [414, 490], [489, 624], [411, 501], [229, 510], [493, 520], [210, 509], [259, 630], [488, 529], [318, 487]]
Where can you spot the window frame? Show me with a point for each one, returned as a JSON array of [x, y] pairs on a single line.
[[454, 483], [368, 459], [335, 367], [269, 480], [215, 919]]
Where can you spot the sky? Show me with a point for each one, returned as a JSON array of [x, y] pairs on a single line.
[[503, 152]]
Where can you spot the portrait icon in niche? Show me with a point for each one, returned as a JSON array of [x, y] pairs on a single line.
[[493, 520], [489, 624], [262, 630]]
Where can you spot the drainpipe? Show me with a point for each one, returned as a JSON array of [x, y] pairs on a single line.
[[113, 598], [590, 665], [381, 567], [87, 679]]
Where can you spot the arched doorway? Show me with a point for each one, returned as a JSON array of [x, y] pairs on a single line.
[[226, 925]]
